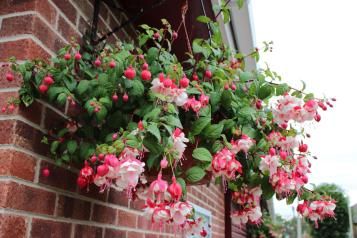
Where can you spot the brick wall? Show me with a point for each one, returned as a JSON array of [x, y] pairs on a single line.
[[35, 206]]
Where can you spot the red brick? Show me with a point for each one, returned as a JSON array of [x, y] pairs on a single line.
[[85, 7], [111, 233], [95, 193], [104, 214], [53, 120], [32, 113], [41, 6], [126, 219], [119, 198], [44, 229], [31, 24], [67, 8], [18, 164], [22, 50], [73, 208], [12, 226], [83, 25], [22, 197], [59, 177], [151, 236], [137, 204], [82, 231], [133, 234], [7, 128], [145, 223], [66, 30], [30, 138]]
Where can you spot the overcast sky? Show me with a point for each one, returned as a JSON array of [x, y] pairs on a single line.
[[316, 41]]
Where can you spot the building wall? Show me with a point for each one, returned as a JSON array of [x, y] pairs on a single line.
[[35, 206]]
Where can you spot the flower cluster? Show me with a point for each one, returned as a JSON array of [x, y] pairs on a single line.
[[249, 210], [123, 171], [169, 91], [317, 210], [163, 206], [224, 161], [292, 108], [287, 173], [196, 105]]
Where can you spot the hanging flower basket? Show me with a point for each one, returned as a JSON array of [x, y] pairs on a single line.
[[145, 124]]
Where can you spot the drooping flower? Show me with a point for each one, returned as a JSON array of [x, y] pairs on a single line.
[[224, 163], [243, 144], [179, 143]]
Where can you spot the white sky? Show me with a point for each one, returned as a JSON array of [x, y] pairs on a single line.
[[316, 41]]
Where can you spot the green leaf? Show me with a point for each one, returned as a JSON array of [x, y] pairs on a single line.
[[199, 125], [195, 174], [198, 46], [54, 146], [82, 87], [152, 160], [247, 112], [265, 91], [70, 83], [86, 150], [150, 142], [137, 88], [101, 114], [65, 157], [72, 146], [226, 99], [281, 89], [152, 54], [153, 114], [268, 191], [245, 76], [173, 121], [290, 200], [202, 154], [107, 102], [154, 130], [203, 19], [61, 99], [213, 131], [54, 91], [240, 3]]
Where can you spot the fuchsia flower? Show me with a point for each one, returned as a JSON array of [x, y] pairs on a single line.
[[180, 211], [158, 186], [170, 93], [224, 163], [291, 108], [175, 190], [249, 210], [123, 171], [317, 210], [269, 164], [179, 141], [243, 144]]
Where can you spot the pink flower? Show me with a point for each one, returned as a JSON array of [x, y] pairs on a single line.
[[179, 141], [269, 164], [224, 163], [204, 99], [161, 215], [175, 190], [170, 93], [243, 144], [179, 212], [158, 186]]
